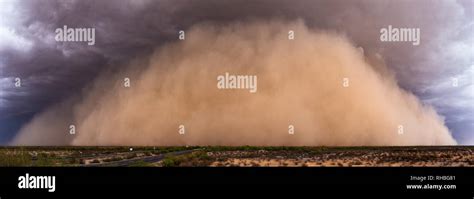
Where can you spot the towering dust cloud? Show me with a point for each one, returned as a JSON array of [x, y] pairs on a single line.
[[300, 83]]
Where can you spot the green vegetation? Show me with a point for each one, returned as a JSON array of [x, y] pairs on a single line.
[[75, 156], [141, 163], [218, 155], [14, 158], [198, 158], [24, 158]]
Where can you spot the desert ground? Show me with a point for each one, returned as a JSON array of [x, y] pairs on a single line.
[[244, 156]]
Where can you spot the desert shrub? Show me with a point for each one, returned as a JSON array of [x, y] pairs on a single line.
[[198, 158], [20, 158]]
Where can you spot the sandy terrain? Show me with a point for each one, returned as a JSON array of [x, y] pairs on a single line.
[[348, 158]]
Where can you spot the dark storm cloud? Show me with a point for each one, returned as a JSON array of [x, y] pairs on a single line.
[[127, 29]]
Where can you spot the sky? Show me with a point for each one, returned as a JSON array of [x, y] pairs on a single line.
[[126, 30]]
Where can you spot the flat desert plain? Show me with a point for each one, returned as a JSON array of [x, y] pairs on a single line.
[[243, 156]]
